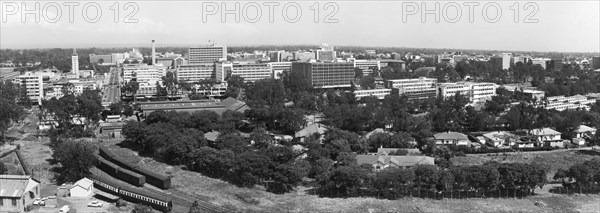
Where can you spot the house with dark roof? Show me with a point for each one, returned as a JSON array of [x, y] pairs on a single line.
[[451, 138], [17, 192], [383, 161]]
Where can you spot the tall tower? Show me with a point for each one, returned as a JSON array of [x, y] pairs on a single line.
[[153, 53], [75, 63]]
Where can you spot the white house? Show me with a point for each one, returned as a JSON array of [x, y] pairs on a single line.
[[548, 137], [583, 131], [497, 139], [82, 188], [451, 138]]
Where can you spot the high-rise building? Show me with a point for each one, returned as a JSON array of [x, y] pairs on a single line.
[[207, 54], [194, 73], [249, 71], [596, 62], [34, 85], [75, 63], [325, 75], [153, 53], [502, 61], [556, 64], [414, 88]]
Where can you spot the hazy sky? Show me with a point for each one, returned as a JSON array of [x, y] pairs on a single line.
[[570, 26]]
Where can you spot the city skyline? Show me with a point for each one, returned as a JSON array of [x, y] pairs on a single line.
[[560, 27]]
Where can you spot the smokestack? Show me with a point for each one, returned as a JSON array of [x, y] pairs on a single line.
[[153, 53]]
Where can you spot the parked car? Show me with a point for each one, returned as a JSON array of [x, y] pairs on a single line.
[[64, 209], [95, 203], [37, 201]]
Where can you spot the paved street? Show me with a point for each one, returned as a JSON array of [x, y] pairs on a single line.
[[113, 89]]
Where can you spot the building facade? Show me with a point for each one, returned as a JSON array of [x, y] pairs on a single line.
[[34, 85], [596, 62], [279, 68], [194, 73], [207, 54], [325, 75], [143, 73], [561, 103], [414, 88], [377, 93], [18, 192], [249, 71]]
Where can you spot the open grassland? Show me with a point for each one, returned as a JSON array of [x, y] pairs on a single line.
[[256, 199]]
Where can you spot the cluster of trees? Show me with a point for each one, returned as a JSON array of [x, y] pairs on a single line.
[[75, 115], [585, 174], [75, 157], [344, 178], [178, 138], [10, 110]]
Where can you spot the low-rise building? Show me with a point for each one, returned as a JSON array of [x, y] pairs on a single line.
[[500, 138], [18, 192], [414, 88], [82, 188], [451, 138], [548, 137], [561, 103], [377, 93]]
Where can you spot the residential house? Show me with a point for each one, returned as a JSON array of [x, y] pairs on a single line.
[[82, 188], [311, 130], [500, 138], [451, 138], [18, 192], [548, 137], [583, 132], [383, 161]]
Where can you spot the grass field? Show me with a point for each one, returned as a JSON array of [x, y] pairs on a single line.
[[257, 200]]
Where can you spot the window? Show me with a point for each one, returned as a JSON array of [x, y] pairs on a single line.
[[14, 202], [1, 201]]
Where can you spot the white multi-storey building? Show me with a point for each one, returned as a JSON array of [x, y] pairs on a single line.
[[481, 91], [414, 88], [561, 103], [249, 71], [378, 93], [75, 63], [279, 67], [447, 90], [33, 84], [475, 91], [143, 72], [367, 66], [194, 73]]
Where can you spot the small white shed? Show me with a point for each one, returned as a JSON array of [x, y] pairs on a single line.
[[82, 188]]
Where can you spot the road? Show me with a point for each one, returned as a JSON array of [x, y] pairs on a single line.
[[113, 89]]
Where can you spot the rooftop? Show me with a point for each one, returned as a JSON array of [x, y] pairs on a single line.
[[450, 136], [403, 161], [584, 128], [16, 185], [545, 131]]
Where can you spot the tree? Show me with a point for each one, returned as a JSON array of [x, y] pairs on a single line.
[[141, 208], [426, 176], [393, 182], [3, 169], [195, 208], [10, 111], [76, 157]]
